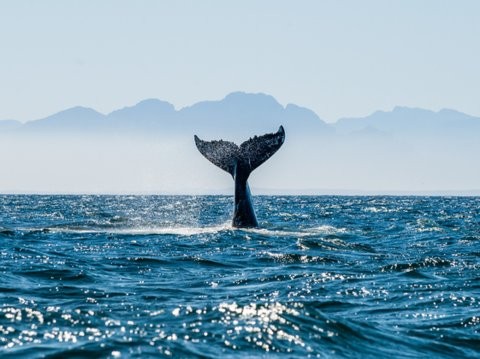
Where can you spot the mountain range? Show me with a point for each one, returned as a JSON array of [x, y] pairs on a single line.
[[149, 148], [242, 114]]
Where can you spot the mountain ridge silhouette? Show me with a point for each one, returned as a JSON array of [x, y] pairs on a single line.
[[244, 114]]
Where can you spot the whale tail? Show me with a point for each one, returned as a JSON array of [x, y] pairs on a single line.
[[248, 156], [240, 161]]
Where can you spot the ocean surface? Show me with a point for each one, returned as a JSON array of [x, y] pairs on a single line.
[[153, 276]]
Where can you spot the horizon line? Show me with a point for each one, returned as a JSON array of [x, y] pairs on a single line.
[[307, 193]]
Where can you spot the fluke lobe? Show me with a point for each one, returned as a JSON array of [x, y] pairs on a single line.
[[240, 161]]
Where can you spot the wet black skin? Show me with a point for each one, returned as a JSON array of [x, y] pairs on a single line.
[[244, 214]]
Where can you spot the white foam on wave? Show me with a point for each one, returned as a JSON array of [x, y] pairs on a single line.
[[192, 231], [325, 229], [179, 231]]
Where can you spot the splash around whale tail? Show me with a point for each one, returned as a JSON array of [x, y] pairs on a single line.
[[248, 156]]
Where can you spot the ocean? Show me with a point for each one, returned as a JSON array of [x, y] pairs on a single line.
[[160, 276]]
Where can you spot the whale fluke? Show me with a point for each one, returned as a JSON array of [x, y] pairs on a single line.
[[240, 161], [221, 153], [252, 152]]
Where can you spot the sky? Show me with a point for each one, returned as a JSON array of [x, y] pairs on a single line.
[[338, 58]]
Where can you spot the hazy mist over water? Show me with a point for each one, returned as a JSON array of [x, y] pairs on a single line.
[[136, 165]]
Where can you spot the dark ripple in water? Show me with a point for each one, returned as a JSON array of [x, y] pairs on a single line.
[[133, 276]]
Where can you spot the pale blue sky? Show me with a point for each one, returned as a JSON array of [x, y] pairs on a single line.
[[339, 58]]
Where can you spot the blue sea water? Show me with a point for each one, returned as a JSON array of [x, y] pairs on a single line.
[[152, 276]]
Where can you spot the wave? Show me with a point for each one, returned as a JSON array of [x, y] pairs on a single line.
[[314, 231], [6, 232], [189, 230], [135, 231]]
